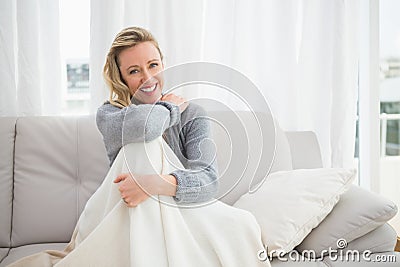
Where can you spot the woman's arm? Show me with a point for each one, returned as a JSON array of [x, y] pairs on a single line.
[[198, 182], [135, 123]]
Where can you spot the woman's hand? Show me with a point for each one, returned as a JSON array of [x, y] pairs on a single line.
[[135, 189], [132, 191], [177, 100]]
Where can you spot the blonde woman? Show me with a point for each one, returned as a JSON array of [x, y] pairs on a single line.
[[138, 112], [161, 158]]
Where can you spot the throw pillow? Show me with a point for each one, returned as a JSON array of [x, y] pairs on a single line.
[[291, 203], [357, 213]]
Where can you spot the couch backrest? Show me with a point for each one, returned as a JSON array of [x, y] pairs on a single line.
[[63, 159], [249, 146], [304, 149]]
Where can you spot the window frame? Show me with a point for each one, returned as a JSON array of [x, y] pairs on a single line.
[[368, 97]]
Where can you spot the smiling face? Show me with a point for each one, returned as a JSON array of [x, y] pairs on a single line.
[[140, 67]]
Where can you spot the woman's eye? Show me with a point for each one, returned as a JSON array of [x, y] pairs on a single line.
[[133, 71], [152, 65]]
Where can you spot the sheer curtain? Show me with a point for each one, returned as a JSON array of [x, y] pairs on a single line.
[[302, 55], [30, 65]]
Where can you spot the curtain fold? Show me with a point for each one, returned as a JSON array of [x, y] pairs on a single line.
[[30, 74], [8, 78]]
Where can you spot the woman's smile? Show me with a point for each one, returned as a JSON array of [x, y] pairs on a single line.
[[148, 89]]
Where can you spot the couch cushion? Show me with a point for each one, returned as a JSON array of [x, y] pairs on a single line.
[[283, 158], [45, 187], [20, 252], [290, 260], [300, 141], [7, 135], [3, 253], [382, 239], [93, 163], [61, 159], [358, 212], [245, 149]]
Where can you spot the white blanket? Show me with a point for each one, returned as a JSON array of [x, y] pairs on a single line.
[[157, 232]]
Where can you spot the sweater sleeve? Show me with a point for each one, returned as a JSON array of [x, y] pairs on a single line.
[[198, 182], [135, 123]]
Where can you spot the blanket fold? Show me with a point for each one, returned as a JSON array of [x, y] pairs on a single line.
[[158, 232]]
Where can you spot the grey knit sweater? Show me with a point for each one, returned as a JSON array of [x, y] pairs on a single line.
[[188, 135]]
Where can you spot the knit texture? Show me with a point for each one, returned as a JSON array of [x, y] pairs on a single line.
[[187, 133]]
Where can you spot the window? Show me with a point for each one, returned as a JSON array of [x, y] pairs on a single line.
[[389, 96], [378, 132], [390, 101], [75, 34]]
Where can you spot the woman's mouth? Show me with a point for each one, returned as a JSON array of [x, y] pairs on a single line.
[[149, 89]]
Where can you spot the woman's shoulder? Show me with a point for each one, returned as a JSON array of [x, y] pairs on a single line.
[[194, 114], [107, 107], [194, 110]]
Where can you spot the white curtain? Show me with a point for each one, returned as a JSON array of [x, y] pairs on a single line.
[[30, 64], [302, 55]]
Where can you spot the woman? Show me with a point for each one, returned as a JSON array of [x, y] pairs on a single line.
[[132, 219], [133, 73]]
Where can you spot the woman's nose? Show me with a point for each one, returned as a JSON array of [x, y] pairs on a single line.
[[146, 75]]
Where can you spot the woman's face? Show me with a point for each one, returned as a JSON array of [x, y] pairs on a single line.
[[140, 68]]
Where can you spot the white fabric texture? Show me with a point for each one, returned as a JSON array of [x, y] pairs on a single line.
[[302, 55], [291, 203], [157, 234], [30, 58]]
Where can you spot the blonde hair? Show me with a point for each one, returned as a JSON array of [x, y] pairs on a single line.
[[120, 95]]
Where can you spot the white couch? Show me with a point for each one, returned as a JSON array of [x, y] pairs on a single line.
[[50, 166]]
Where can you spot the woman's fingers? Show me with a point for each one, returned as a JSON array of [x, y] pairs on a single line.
[[177, 100], [131, 192], [183, 106], [121, 177]]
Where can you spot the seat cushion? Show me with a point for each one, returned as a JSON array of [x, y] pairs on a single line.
[[3, 253], [20, 252], [290, 260]]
